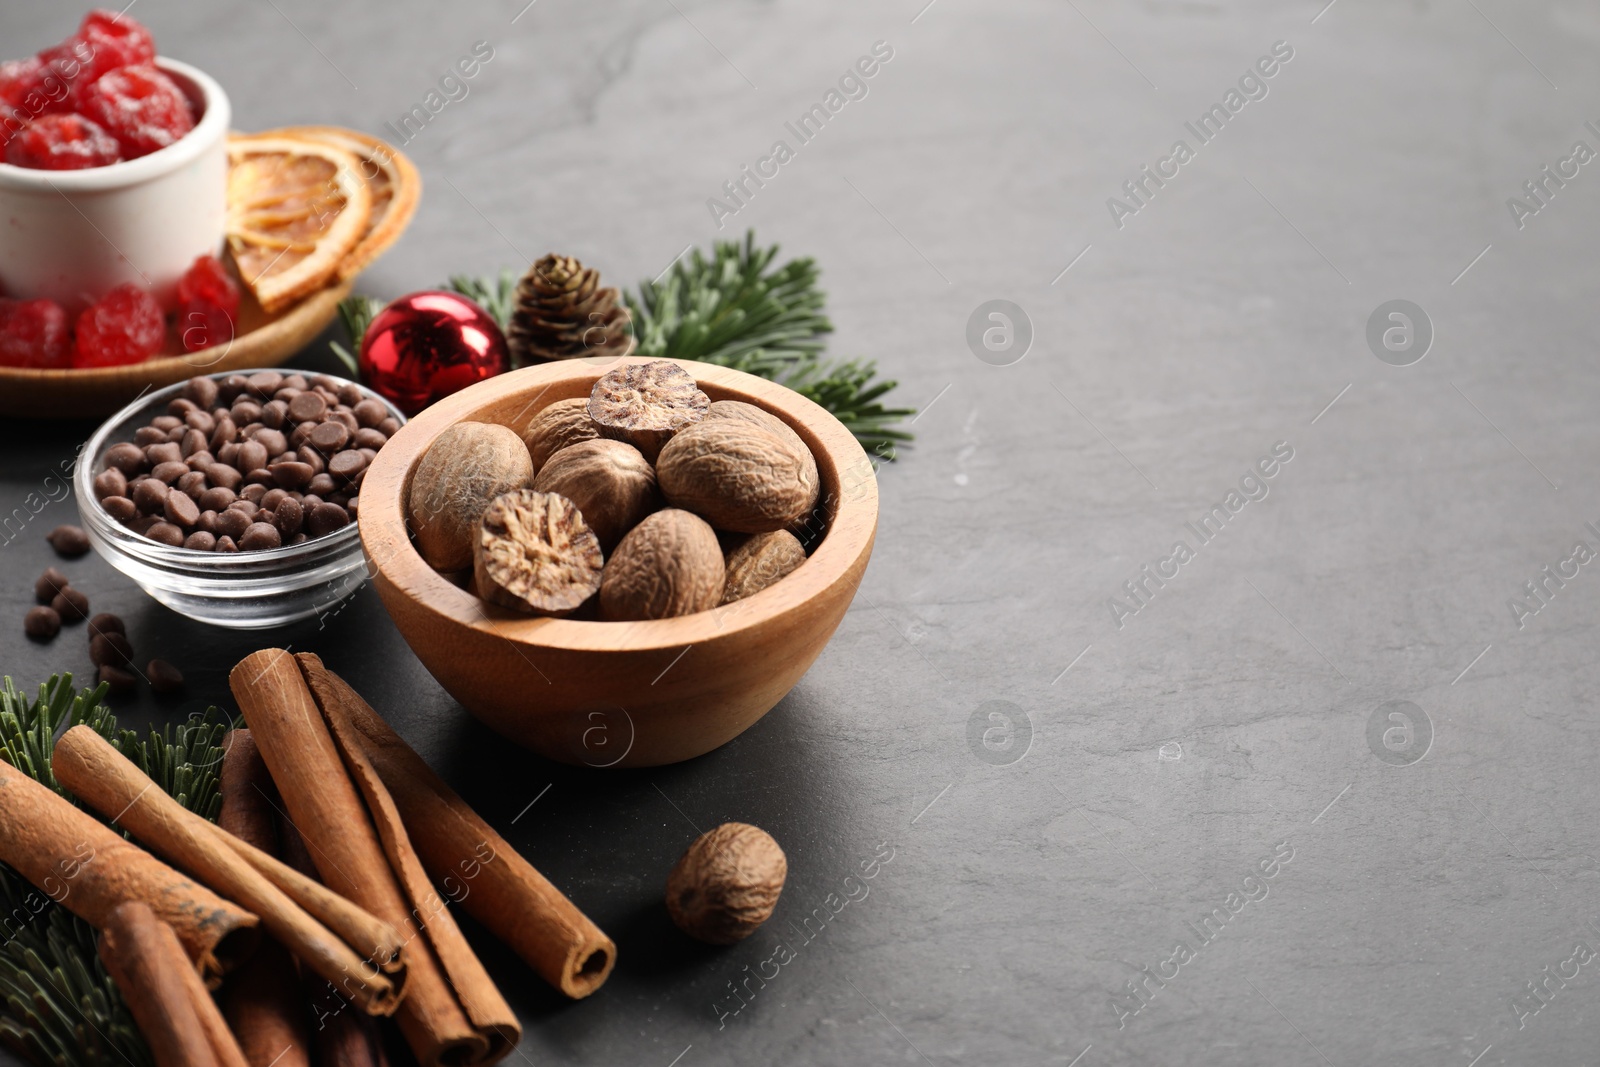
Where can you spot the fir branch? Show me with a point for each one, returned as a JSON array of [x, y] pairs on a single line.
[[498, 298], [730, 311], [734, 309], [57, 1004], [847, 389], [357, 313]]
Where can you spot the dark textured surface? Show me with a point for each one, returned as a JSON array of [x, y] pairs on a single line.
[[1228, 715]]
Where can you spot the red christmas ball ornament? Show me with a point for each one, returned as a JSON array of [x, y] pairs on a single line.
[[428, 345]]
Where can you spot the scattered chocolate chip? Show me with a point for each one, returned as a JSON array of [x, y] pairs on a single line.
[[41, 623], [71, 604], [49, 584], [164, 677], [112, 648], [106, 623], [119, 682], [68, 541]]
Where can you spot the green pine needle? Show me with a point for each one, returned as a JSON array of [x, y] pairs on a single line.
[[499, 298], [57, 1004]]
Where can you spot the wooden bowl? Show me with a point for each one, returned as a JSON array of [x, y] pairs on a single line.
[[263, 341], [620, 694]]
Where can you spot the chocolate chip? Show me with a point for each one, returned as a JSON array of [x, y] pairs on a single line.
[[164, 677], [252, 456], [149, 435], [370, 412], [232, 523], [369, 438], [166, 422], [41, 624], [68, 541], [192, 485], [150, 495], [350, 394], [120, 508], [245, 412], [254, 493], [226, 544], [48, 585], [119, 682], [224, 475], [125, 457], [346, 465], [322, 484], [307, 407], [259, 536], [112, 648], [201, 540], [202, 390], [166, 533], [203, 421], [313, 459], [326, 518], [287, 517], [178, 407], [193, 441], [207, 523], [270, 499], [259, 476], [389, 426], [180, 508], [225, 432], [292, 474], [110, 482], [201, 461], [266, 382], [331, 436], [274, 441], [274, 415], [217, 497], [106, 623], [163, 453], [169, 472], [71, 604]]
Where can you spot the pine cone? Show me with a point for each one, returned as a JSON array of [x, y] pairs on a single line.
[[562, 313]]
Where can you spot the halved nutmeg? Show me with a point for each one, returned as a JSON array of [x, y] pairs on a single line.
[[534, 552], [644, 404]]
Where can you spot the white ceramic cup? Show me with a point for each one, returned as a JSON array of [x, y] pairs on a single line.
[[72, 235]]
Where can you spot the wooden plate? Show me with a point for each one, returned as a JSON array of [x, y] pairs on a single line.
[[263, 340]]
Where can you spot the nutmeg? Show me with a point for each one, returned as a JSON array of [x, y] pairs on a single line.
[[668, 565], [612, 484], [737, 475], [738, 409], [533, 552], [758, 561], [644, 404], [726, 884], [557, 426], [466, 467]]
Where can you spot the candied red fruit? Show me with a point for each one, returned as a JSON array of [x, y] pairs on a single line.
[[33, 333], [207, 281], [125, 326], [62, 142], [203, 325], [105, 41], [19, 77], [139, 106]]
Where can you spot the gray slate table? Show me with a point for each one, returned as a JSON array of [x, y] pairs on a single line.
[[1067, 790]]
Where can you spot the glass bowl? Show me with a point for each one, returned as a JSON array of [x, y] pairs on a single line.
[[237, 590]]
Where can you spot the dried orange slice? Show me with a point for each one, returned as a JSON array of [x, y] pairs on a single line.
[[296, 208], [396, 188]]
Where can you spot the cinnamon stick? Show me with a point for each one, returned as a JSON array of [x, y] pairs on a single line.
[[90, 869], [330, 814], [174, 1012], [344, 1037], [477, 992], [496, 885], [106, 780], [261, 1000]]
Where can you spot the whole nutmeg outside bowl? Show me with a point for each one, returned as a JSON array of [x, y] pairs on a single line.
[[620, 694]]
